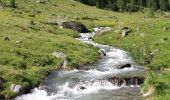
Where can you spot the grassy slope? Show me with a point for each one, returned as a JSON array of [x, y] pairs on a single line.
[[149, 39], [28, 61], [39, 40]]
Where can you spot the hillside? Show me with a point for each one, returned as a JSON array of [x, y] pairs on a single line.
[[28, 39]]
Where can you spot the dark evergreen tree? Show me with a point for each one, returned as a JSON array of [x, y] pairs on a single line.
[[129, 5]]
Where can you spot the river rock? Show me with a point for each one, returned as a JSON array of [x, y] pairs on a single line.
[[83, 87], [16, 88], [59, 55], [77, 26], [63, 64], [124, 66], [127, 81], [102, 52]]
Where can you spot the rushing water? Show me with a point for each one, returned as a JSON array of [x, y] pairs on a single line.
[[91, 82]]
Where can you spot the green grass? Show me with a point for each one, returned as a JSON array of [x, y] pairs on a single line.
[[30, 60], [148, 46], [26, 58]]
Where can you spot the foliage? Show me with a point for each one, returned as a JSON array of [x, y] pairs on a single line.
[[129, 5]]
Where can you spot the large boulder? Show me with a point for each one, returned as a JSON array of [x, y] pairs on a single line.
[[77, 26]]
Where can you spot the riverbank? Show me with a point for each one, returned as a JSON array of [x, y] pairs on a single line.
[[28, 40], [31, 32], [103, 77], [147, 42]]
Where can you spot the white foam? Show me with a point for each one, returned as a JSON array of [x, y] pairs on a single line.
[[36, 94]]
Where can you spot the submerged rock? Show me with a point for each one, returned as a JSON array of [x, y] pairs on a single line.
[[77, 26], [123, 66], [83, 87]]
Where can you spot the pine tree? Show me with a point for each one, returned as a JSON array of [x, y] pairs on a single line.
[[121, 5]]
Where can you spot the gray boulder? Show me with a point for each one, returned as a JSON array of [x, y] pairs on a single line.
[[63, 64], [101, 30], [125, 32], [16, 88], [59, 55]]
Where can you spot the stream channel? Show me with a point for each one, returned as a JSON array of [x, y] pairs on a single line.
[[103, 80]]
